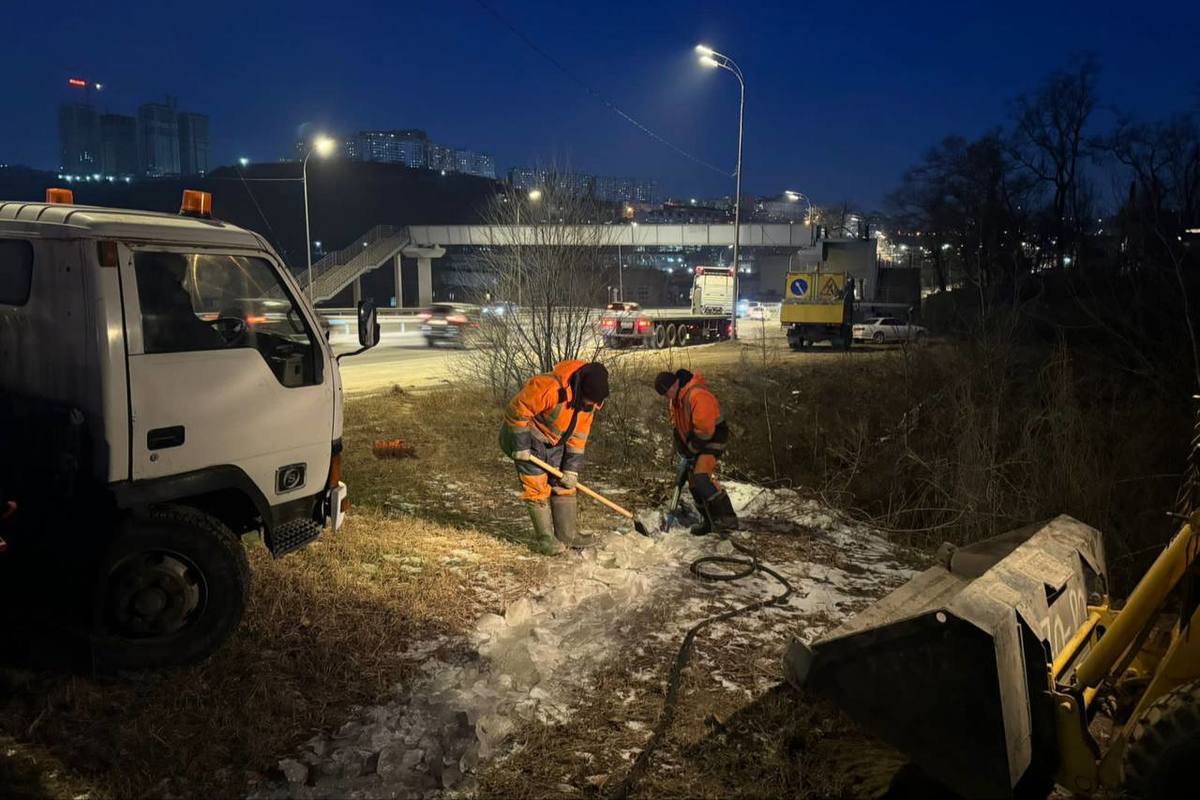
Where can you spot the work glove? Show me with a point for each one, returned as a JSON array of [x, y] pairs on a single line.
[[569, 480], [522, 455]]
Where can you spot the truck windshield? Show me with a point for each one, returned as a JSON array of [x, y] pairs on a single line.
[[206, 301]]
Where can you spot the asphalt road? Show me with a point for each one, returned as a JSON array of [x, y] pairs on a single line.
[[403, 359]]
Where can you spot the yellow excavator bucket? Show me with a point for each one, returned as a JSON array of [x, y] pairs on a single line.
[[952, 668]]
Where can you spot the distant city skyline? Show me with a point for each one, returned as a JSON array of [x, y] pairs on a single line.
[[838, 104], [160, 141]]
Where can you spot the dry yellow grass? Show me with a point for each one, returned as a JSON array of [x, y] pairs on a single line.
[[326, 629]]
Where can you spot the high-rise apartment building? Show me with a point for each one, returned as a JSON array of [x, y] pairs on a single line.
[[78, 138], [193, 143], [158, 138], [118, 145]]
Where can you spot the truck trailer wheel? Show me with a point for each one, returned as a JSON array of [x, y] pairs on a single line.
[[172, 588], [1164, 747], [660, 337]]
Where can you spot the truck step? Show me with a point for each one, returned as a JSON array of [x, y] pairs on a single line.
[[293, 535]]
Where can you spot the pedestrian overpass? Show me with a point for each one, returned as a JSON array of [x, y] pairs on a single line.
[[388, 243]]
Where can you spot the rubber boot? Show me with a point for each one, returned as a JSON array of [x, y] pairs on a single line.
[[543, 529], [720, 510], [705, 525], [565, 510]]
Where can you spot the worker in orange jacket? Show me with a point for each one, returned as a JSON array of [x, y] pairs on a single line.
[[551, 418], [700, 436]]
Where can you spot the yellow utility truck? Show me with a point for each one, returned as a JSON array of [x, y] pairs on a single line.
[[818, 307]]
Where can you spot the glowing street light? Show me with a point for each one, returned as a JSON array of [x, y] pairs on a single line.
[[245, 162], [322, 146], [712, 59], [534, 195]]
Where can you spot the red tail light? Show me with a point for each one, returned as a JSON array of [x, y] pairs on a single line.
[[608, 323], [255, 319], [643, 325]]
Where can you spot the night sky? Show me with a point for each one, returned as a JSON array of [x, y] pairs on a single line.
[[841, 98]]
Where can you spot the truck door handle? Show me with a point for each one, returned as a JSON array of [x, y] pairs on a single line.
[[162, 438]]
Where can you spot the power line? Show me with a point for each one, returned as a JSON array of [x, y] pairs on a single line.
[[587, 87]]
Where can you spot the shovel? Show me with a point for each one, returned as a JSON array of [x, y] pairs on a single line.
[[681, 477], [599, 498]]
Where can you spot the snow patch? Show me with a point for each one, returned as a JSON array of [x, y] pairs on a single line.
[[535, 661]]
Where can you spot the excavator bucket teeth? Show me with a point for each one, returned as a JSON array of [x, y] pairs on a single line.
[[951, 668]]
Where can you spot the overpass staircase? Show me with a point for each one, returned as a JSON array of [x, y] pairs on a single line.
[[338, 269]]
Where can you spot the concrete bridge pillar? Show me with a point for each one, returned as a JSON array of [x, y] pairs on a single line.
[[398, 268], [424, 280]]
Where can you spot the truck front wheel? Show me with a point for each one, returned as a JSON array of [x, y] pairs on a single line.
[[172, 587]]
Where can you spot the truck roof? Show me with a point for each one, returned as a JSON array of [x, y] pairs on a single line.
[[71, 221]]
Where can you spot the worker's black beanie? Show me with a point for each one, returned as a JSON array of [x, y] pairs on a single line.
[[593, 382], [663, 382]]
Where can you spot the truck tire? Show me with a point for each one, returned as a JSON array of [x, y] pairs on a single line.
[[683, 335], [171, 588], [1164, 746], [672, 336], [660, 337]]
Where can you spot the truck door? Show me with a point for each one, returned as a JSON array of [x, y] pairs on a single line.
[[225, 368]]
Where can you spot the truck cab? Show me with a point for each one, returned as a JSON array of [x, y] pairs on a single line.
[[165, 389], [712, 291]]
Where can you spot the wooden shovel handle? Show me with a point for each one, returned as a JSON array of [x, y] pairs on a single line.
[[599, 498]]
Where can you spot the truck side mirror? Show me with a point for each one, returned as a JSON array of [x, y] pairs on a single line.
[[368, 324]]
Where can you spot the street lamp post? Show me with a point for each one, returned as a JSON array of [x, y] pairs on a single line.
[[712, 59], [534, 195], [793, 196], [322, 146]]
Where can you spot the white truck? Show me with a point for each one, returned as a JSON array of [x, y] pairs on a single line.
[[165, 389], [708, 320]]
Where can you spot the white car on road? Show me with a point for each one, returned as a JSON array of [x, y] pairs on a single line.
[[887, 329]]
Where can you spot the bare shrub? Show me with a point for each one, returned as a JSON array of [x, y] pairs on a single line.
[[545, 259]]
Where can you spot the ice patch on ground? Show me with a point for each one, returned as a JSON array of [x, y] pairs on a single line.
[[535, 661]]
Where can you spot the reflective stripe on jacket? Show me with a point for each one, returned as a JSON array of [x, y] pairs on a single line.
[[545, 409]]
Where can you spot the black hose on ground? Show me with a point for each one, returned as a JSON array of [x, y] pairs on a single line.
[[741, 568]]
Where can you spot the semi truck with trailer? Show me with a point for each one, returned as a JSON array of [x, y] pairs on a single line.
[[152, 415], [707, 320]]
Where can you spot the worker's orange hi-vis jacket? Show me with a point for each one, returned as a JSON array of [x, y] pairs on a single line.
[[696, 416], [545, 410]]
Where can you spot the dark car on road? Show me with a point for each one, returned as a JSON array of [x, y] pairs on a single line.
[[453, 323]]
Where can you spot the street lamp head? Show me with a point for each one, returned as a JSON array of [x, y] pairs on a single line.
[[323, 146], [704, 50], [535, 194], [245, 162], [709, 61]]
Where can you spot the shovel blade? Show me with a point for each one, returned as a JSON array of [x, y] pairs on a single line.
[[951, 667]]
